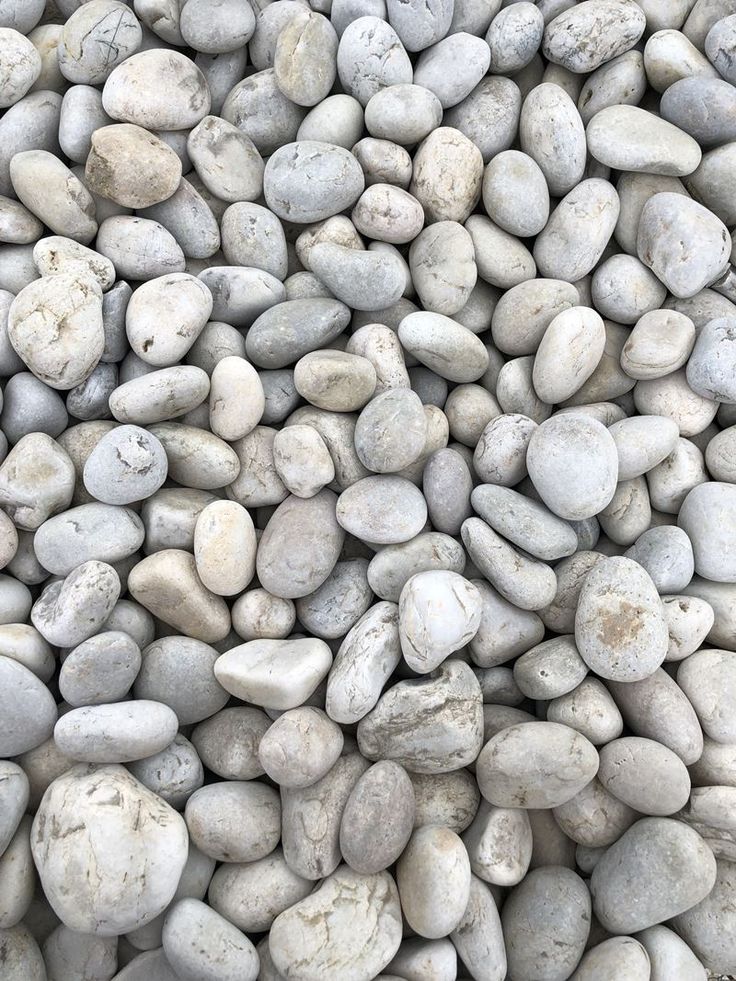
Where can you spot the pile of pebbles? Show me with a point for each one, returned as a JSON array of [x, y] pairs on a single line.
[[368, 490]]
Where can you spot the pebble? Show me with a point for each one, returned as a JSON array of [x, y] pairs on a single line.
[[354, 947]]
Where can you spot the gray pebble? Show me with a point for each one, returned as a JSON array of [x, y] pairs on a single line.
[[519, 766], [432, 725], [364, 660], [553, 898], [385, 509], [677, 858], [102, 669]]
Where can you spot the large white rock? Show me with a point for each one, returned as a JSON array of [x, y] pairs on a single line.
[[108, 851]]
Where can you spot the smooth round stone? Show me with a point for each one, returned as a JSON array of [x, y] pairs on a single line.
[[719, 455], [178, 671], [706, 516], [446, 799], [257, 483], [439, 613], [718, 40], [28, 709], [30, 406], [300, 747], [57, 254], [584, 37], [289, 330], [453, 67], [385, 509], [388, 213], [578, 231], [550, 669], [335, 380], [128, 464], [36, 481], [524, 522], [391, 567], [159, 395], [130, 166], [91, 531], [645, 775], [447, 484], [198, 942], [302, 460], [364, 661], [95, 40], [632, 139], [21, 955], [689, 621], [550, 902], [225, 547], [310, 181], [165, 316], [519, 766], [157, 89], [330, 611], [403, 114], [21, 65], [707, 928], [101, 669], [64, 205], [173, 774], [703, 107], [277, 674], [391, 431], [228, 742], [622, 955], [620, 629], [234, 821], [428, 725], [167, 585], [478, 936], [116, 732], [300, 545], [448, 170], [661, 865], [667, 555], [573, 464], [514, 37], [69, 953], [55, 325], [364, 280], [443, 345], [420, 25], [443, 268], [499, 844], [90, 808], [642, 442], [226, 160], [371, 57], [568, 354], [669, 955], [251, 895], [72, 609], [365, 928], [433, 876], [378, 818], [668, 219], [708, 678], [712, 362], [500, 453], [139, 247]]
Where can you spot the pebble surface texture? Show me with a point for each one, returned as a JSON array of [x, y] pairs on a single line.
[[367, 490]]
